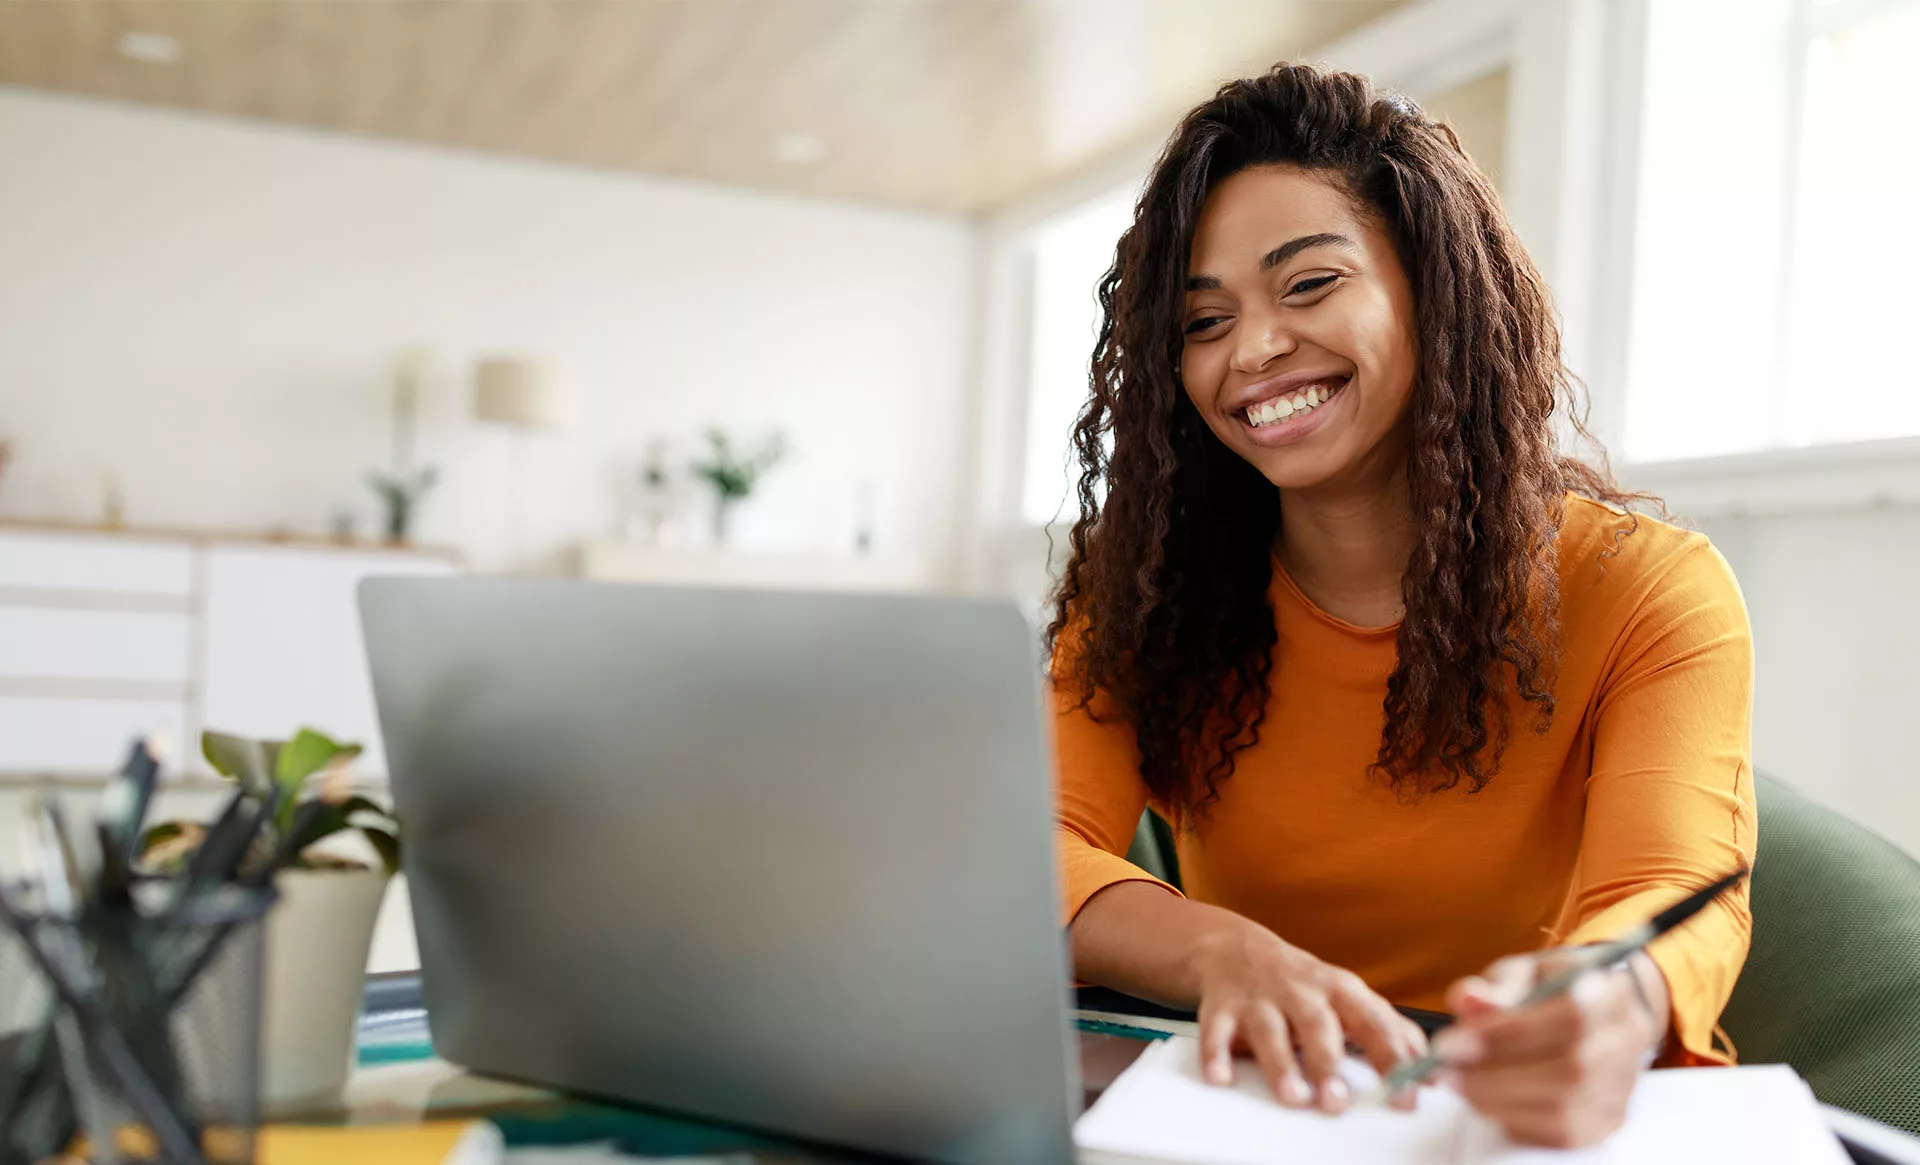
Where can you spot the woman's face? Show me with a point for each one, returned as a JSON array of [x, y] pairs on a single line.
[[1299, 346]]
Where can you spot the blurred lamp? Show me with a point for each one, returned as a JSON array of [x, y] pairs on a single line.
[[527, 395]]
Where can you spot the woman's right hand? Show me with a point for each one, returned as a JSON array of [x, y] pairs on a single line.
[[1295, 1015]]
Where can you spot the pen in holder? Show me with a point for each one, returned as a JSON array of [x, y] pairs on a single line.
[[131, 1026]]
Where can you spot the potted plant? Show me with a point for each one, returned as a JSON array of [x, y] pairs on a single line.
[[319, 935], [734, 473], [399, 495], [402, 486]]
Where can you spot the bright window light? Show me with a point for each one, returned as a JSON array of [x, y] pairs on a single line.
[[1773, 300], [1855, 304], [1070, 254]]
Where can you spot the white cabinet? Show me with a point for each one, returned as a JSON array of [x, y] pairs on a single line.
[[108, 636], [283, 641], [127, 566], [81, 734], [64, 643]]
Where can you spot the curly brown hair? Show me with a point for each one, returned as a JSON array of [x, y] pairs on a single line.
[[1166, 590]]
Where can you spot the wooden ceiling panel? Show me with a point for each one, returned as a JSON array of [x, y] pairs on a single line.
[[951, 105]]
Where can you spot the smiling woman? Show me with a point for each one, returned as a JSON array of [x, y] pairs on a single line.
[[1329, 552], [1368, 317]]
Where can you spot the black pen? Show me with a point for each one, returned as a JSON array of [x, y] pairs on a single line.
[[1580, 961], [123, 805], [64, 905]]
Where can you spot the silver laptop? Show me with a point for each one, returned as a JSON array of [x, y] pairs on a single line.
[[783, 860]]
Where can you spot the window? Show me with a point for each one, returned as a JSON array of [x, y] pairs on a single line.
[[1069, 255], [1856, 236], [1776, 234]]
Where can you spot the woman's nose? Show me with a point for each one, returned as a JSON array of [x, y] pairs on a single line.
[[1259, 341]]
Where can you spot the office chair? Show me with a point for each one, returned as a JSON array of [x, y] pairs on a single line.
[[1832, 984]]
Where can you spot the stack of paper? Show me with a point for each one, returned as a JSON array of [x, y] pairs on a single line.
[[1161, 1110]]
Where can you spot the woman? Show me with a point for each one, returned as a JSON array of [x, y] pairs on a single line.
[[1424, 702]]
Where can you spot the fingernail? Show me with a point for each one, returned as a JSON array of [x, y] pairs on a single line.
[[1220, 1072], [1334, 1094], [1294, 1090], [1458, 1045]]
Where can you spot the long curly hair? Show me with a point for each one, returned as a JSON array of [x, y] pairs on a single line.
[[1162, 617]]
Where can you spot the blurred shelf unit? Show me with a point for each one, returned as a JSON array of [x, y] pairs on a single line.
[[636, 562], [109, 634]]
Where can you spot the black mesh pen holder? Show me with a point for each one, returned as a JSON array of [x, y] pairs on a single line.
[[134, 1033]]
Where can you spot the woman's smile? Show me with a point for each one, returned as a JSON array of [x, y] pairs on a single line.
[[1289, 407]]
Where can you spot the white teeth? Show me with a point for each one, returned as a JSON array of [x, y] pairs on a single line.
[[1280, 408]]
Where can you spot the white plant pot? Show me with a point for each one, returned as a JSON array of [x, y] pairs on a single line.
[[318, 937]]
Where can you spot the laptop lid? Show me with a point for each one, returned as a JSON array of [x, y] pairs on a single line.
[[777, 859]]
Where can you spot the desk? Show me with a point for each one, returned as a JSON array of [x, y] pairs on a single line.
[[405, 1090], [408, 1091]]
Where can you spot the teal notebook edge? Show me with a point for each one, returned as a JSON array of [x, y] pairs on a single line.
[[412, 1047]]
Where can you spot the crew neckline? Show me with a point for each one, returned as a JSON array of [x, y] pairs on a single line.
[[1286, 583]]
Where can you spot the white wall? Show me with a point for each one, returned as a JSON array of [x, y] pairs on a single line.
[[209, 308], [1836, 633]]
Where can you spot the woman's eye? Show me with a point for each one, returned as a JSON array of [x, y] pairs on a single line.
[[1203, 323], [1313, 284]]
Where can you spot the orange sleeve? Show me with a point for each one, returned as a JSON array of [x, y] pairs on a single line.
[[1670, 795], [1101, 798]]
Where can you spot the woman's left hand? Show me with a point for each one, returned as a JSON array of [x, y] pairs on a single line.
[[1558, 1073]]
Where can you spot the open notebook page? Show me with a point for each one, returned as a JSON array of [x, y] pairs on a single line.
[[1161, 1110]]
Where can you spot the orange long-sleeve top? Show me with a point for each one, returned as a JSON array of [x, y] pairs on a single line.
[[1640, 791]]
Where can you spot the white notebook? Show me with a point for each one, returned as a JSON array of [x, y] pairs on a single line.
[[1161, 1110]]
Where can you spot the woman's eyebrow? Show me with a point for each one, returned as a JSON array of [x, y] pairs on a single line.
[[1277, 256]]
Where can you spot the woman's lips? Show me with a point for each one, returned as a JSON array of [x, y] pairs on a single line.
[[1304, 410]]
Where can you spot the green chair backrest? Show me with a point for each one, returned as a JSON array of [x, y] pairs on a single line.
[[1832, 985], [1153, 849]]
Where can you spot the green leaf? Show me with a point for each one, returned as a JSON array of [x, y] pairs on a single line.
[[315, 826], [306, 754], [732, 474], [164, 833], [251, 762], [388, 846], [358, 808], [331, 819], [403, 491]]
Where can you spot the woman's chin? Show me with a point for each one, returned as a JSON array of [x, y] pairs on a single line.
[[1302, 466], [1296, 471]]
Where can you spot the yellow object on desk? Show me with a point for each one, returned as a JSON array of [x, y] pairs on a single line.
[[432, 1143]]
